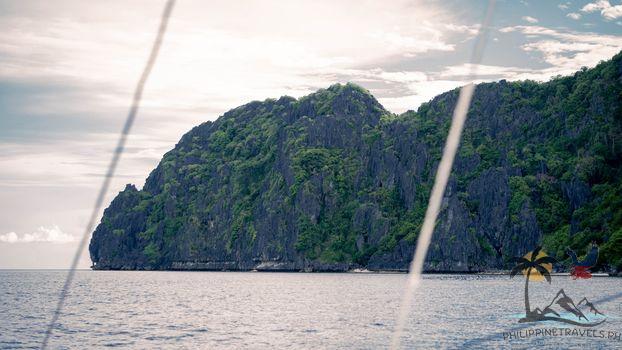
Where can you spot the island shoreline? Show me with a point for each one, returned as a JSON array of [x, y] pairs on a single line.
[[355, 271]]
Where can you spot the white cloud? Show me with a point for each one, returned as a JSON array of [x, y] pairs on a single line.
[[608, 11], [567, 51], [214, 57], [612, 12], [212, 60], [52, 234], [564, 52], [472, 29], [574, 15], [379, 74], [487, 72], [563, 6], [410, 46], [530, 19], [10, 237], [76, 163], [418, 93], [595, 6]]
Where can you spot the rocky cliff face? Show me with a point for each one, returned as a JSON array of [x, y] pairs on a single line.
[[333, 181]]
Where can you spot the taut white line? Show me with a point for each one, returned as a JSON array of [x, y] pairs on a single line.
[[440, 183]]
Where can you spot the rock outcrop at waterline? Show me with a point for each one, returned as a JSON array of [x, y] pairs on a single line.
[[333, 181]]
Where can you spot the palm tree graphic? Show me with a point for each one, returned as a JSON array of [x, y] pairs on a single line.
[[537, 266], [535, 262]]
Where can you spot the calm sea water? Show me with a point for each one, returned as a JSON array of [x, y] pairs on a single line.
[[236, 310]]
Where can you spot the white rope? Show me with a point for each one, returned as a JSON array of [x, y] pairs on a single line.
[[440, 183], [118, 151]]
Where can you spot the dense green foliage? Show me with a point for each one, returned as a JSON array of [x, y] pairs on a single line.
[[269, 171]]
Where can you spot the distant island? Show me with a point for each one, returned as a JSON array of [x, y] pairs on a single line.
[[333, 181]]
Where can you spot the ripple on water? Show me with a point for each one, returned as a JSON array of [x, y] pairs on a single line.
[[118, 344], [270, 310]]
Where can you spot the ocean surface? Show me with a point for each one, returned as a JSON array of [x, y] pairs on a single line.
[[246, 310]]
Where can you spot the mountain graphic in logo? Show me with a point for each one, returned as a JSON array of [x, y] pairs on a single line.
[[563, 306], [536, 266], [584, 303], [580, 268]]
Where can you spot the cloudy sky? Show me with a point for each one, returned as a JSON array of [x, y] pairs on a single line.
[[67, 70]]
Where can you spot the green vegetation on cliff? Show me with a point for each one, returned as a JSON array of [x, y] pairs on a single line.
[[333, 178]]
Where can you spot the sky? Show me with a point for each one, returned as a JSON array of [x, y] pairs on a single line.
[[68, 70]]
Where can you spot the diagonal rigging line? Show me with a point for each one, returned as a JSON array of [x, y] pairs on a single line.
[[118, 151], [440, 181]]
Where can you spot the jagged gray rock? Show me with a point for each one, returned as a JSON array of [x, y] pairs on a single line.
[[333, 181]]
